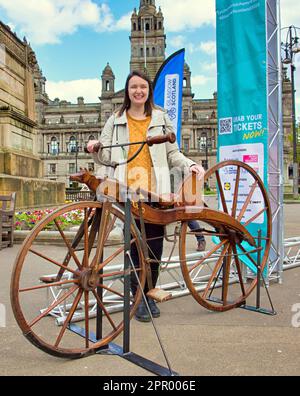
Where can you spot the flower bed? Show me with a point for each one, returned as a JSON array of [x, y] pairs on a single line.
[[27, 220]]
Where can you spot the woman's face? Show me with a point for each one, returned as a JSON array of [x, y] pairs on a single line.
[[138, 90]]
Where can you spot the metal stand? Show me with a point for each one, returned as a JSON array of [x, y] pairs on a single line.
[[114, 349], [260, 278]]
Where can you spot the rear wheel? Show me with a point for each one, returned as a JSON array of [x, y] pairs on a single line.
[[225, 274]]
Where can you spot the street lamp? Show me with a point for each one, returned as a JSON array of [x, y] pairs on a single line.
[[205, 145], [77, 145], [74, 148], [291, 47]]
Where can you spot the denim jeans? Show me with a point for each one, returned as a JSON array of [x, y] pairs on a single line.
[[194, 226], [155, 252]]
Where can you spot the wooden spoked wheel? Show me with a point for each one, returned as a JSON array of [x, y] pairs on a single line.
[[75, 281], [225, 274]]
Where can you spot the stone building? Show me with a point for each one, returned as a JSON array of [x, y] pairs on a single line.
[[148, 40], [65, 128], [21, 169]]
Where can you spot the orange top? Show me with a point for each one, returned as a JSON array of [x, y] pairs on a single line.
[[140, 170]]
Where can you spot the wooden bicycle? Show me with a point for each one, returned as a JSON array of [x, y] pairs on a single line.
[[88, 268]]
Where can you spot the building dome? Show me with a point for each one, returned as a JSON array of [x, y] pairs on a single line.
[[186, 67], [108, 71], [159, 13]]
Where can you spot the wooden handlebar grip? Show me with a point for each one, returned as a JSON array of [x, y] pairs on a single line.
[[170, 137]]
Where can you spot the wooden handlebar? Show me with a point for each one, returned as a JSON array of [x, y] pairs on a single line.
[[170, 137]]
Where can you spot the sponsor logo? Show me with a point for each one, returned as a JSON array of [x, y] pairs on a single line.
[[229, 170], [172, 97], [227, 186]]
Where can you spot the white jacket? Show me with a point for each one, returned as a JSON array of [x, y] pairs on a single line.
[[164, 156]]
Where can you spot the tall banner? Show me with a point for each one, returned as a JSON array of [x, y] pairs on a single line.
[[168, 89], [242, 97]]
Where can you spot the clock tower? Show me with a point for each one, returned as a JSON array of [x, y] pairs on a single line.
[[148, 40]]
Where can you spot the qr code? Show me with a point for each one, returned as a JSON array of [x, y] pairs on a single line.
[[225, 126]]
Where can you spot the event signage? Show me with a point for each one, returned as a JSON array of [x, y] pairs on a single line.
[[168, 89], [242, 98]]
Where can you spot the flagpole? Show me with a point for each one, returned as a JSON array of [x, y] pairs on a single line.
[[145, 45]]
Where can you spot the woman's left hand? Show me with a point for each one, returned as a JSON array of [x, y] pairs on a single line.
[[199, 170]]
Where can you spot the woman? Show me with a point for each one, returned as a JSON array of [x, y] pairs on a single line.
[[137, 119]]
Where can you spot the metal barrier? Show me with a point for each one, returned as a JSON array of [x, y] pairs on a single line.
[[80, 196], [291, 253], [177, 285]]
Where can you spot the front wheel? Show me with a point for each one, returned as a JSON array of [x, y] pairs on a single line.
[[64, 271]]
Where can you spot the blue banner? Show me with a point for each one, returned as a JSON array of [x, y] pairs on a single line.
[[168, 89], [242, 99]]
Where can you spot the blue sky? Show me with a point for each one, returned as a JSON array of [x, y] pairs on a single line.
[[74, 39]]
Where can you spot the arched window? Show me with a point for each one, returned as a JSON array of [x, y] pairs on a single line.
[[184, 82], [134, 26], [153, 51], [72, 145], [291, 171], [203, 140], [54, 146], [106, 85], [147, 26], [186, 145], [148, 52], [159, 25], [142, 51]]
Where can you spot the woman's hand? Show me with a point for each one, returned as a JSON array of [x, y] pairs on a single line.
[[199, 170], [91, 144]]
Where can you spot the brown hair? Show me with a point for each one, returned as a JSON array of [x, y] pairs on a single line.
[[149, 105]]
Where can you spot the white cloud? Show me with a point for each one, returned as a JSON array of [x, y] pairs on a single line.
[[46, 21], [188, 14], [200, 80], [177, 41], [290, 12], [209, 67], [124, 23], [90, 89], [209, 47]]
